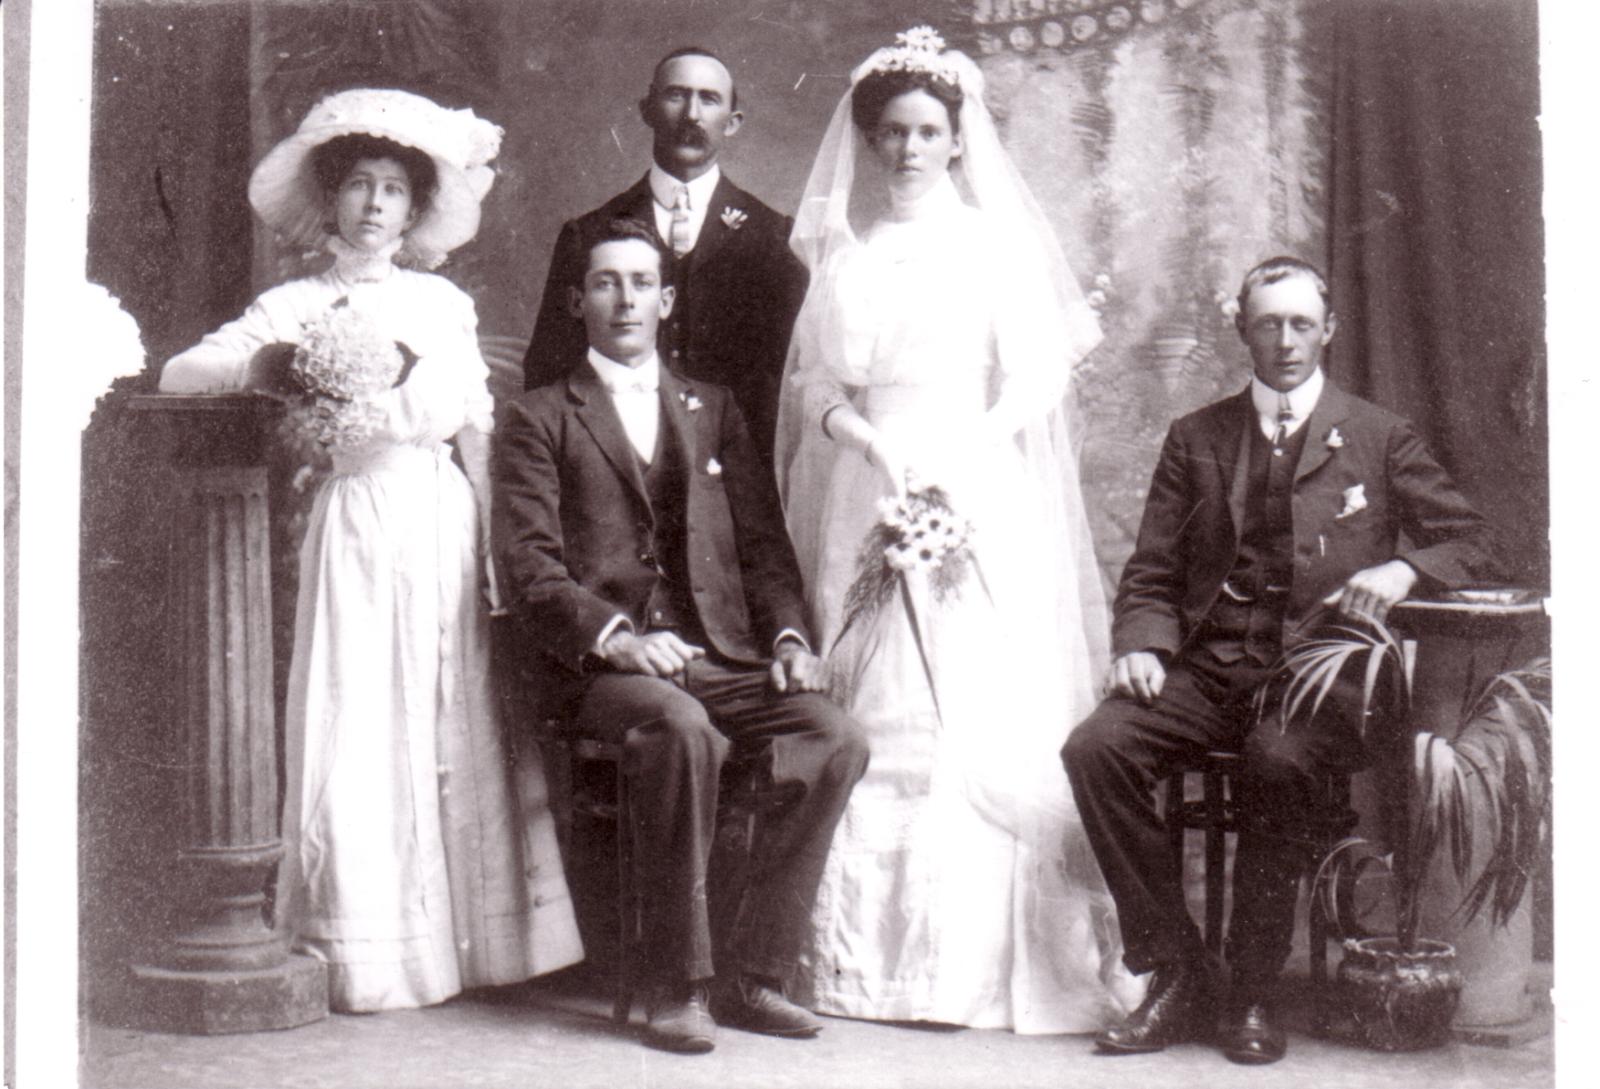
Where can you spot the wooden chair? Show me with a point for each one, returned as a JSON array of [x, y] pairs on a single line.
[[1215, 815], [598, 790]]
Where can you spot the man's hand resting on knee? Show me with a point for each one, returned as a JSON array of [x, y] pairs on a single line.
[[1138, 675], [655, 654], [795, 669]]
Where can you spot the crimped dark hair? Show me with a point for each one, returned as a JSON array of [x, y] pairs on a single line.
[[332, 162], [1274, 269], [877, 89], [620, 229]]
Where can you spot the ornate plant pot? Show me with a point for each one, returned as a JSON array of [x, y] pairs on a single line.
[[1400, 1001]]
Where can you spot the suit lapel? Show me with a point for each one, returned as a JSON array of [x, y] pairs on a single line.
[[1332, 408], [676, 412], [714, 232], [635, 202], [599, 417], [1236, 441]]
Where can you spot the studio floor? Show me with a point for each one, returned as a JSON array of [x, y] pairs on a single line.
[[555, 1032]]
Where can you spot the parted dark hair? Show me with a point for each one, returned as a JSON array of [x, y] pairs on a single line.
[[693, 51], [332, 162], [1274, 269], [619, 229], [877, 89]]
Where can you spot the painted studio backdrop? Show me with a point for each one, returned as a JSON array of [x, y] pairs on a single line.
[[1172, 142]]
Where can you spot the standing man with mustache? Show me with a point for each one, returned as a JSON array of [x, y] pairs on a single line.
[[739, 286]]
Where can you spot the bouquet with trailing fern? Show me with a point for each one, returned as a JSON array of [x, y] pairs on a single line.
[[918, 534]]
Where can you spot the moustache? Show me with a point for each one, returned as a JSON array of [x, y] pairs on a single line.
[[688, 133]]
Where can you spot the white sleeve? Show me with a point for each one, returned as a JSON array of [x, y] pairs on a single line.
[[220, 363]]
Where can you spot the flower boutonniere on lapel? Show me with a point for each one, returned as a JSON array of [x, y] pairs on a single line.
[[1334, 441], [733, 218], [1355, 501], [713, 467], [690, 401]]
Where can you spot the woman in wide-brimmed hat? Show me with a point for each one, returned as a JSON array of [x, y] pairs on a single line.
[[411, 868]]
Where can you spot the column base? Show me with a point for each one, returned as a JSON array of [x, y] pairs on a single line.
[[213, 1003]]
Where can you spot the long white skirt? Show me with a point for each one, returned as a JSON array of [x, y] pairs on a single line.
[[413, 867], [960, 887]]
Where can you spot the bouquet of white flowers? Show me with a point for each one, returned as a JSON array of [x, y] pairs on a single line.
[[343, 361], [917, 533]]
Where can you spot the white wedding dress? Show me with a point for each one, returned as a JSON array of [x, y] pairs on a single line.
[[418, 861], [960, 887]]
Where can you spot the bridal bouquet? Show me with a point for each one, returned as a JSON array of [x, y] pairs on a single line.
[[343, 361], [918, 533]]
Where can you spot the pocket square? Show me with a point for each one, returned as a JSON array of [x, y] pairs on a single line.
[[1355, 501]]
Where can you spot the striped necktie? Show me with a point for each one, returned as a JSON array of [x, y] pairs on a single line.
[[1285, 418], [678, 238]]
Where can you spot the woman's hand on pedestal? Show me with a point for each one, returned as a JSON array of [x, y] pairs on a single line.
[[268, 372]]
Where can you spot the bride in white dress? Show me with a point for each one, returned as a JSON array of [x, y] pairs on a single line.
[[936, 343]]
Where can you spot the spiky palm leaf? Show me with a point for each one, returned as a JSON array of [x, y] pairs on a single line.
[[1497, 765], [1505, 745], [1313, 667]]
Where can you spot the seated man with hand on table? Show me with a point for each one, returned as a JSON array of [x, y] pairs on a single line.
[[1266, 510]]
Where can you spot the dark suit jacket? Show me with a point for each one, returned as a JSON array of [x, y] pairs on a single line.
[[1189, 536], [575, 528], [738, 292]]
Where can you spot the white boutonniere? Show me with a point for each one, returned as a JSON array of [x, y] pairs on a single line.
[[1334, 440], [713, 467], [690, 401], [733, 218], [1355, 501]]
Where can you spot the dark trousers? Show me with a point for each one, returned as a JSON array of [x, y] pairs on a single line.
[[676, 737], [1118, 755]]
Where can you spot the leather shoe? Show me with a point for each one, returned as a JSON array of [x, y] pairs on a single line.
[[758, 1005], [1252, 1035], [1174, 1011], [677, 1020]]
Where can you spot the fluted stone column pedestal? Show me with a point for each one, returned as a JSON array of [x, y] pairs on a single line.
[[224, 970]]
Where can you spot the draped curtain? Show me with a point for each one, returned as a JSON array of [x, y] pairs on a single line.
[[1437, 242]]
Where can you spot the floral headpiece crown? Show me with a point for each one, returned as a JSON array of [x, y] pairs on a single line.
[[920, 49]]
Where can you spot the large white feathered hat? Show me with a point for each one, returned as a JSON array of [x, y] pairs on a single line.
[[285, 192]]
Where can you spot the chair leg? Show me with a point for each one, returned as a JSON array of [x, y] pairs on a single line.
[[627, 905], [1337, 797], [1216, 860], [1174, 817]]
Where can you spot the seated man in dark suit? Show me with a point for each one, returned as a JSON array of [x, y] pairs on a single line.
[[1267, 508], [646, 556]]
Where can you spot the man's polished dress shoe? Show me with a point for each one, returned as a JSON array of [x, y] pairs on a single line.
[[758, 1005], [1252, 1035], [677, 1020], [1175, 1010]]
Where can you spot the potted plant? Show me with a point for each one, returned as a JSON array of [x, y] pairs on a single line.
[[1480, 796]]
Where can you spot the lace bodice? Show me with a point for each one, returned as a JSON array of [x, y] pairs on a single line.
[[911, 308]]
